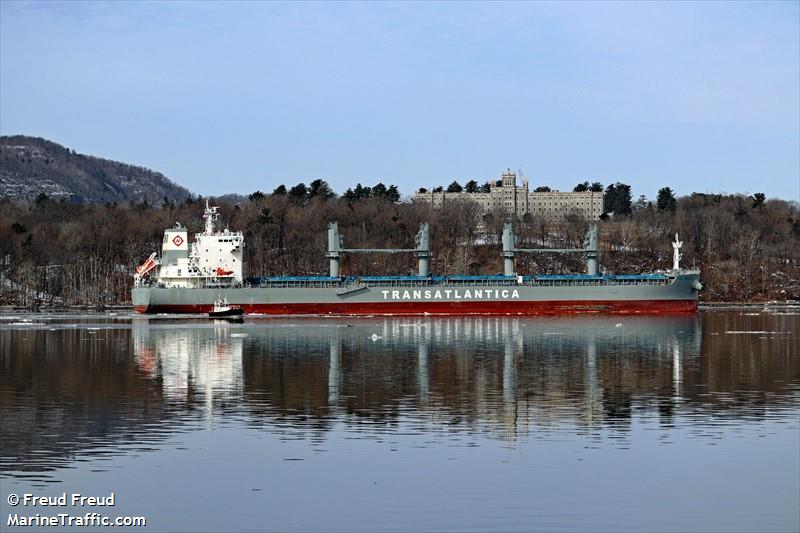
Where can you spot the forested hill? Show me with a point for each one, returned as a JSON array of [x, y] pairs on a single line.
[[30, 166]]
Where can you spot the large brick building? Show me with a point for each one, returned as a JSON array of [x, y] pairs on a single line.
[[518, 200]]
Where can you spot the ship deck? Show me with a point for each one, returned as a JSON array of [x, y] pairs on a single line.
[[550, 280]]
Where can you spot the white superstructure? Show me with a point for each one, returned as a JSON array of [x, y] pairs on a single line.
[[214, 259]]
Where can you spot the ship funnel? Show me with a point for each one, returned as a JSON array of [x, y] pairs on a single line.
[[175, 245]]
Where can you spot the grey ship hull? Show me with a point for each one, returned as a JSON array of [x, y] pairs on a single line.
[[677, 293]]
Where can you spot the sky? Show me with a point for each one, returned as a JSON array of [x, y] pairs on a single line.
[[237, 97]]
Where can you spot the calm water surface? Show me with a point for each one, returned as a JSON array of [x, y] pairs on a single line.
[[646, 423]]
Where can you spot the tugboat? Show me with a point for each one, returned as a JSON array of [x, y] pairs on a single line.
[[223, 310]]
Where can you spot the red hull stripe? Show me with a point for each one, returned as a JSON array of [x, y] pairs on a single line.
[[448, 308]]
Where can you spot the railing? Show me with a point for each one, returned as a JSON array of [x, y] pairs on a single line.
[[348, 284]]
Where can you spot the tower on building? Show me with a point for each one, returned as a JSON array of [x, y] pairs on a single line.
[[509, 179]]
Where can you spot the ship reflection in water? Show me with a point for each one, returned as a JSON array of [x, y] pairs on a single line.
[[500, 373], [544, 394], [207, 361]]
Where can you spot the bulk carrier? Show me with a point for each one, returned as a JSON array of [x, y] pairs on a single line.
[[189, 279]]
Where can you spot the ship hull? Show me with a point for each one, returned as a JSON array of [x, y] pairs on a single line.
[[483, 308], [679, 296]]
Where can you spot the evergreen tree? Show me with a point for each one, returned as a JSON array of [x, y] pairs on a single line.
[[666, 200], [422, 190], [393, 194], [581, 187], [279, 190], [596, 187], [542, 188], [624, 198], [618, 199], [486, 187], [320, 188], [758, 199], [455, 187], [379, 190], [256, 196], [472, 186], [362, 192], [299, 194]]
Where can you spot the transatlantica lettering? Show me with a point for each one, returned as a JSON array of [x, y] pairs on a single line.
[[451, 294]]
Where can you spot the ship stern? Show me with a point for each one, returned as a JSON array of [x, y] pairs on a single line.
[[140, 298]]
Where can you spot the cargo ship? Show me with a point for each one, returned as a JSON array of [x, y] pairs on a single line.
[[190, 279]]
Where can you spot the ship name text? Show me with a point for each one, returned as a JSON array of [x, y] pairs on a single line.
[[452, 294]]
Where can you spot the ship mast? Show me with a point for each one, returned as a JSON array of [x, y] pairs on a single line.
[[211, 215], [676, 253]]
